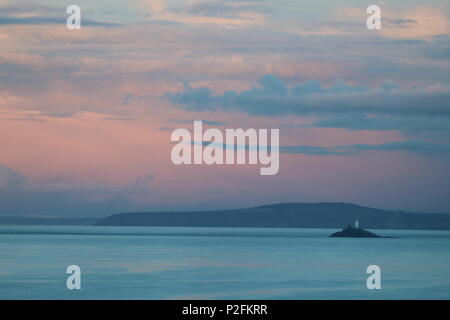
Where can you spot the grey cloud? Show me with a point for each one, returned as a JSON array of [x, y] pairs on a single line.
[[58, 197], [58, 114], [408, 125], [315, 150], [42, 15], [221, 8], [415, 146], [126, 99], [143, 184], [273, 97], [11, 179], [52, 20], [31, 9], [207, 122], [24, 119], [356, 26], [440, 51], [404, 23], [62, 203], [168, 129], [420, 147], [118, 118]]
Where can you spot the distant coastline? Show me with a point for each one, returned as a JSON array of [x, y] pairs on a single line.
[[282, 215], [47, 221], [286, 215]]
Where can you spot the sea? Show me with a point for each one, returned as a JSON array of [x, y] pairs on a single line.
[[220, 263]]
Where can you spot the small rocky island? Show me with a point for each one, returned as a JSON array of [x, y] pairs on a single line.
[[355, 232], [352, 232]]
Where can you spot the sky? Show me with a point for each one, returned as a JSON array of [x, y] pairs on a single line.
[[86, 115]]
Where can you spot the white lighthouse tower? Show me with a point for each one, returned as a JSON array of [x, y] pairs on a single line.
[[356, 223]]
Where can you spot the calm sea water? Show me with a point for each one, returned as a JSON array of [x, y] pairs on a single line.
[[219, 263]]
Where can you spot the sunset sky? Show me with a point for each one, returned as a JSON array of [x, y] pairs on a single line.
[[86, 115]]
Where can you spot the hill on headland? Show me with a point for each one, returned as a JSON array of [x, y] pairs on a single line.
[[286, 215]]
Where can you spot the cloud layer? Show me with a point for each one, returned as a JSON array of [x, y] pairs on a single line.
[[86, 115], [274, 97]]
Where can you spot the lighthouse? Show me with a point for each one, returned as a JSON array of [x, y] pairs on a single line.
[[356, 223]]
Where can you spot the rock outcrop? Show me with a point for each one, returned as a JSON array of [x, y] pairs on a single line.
[[352, 232]]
